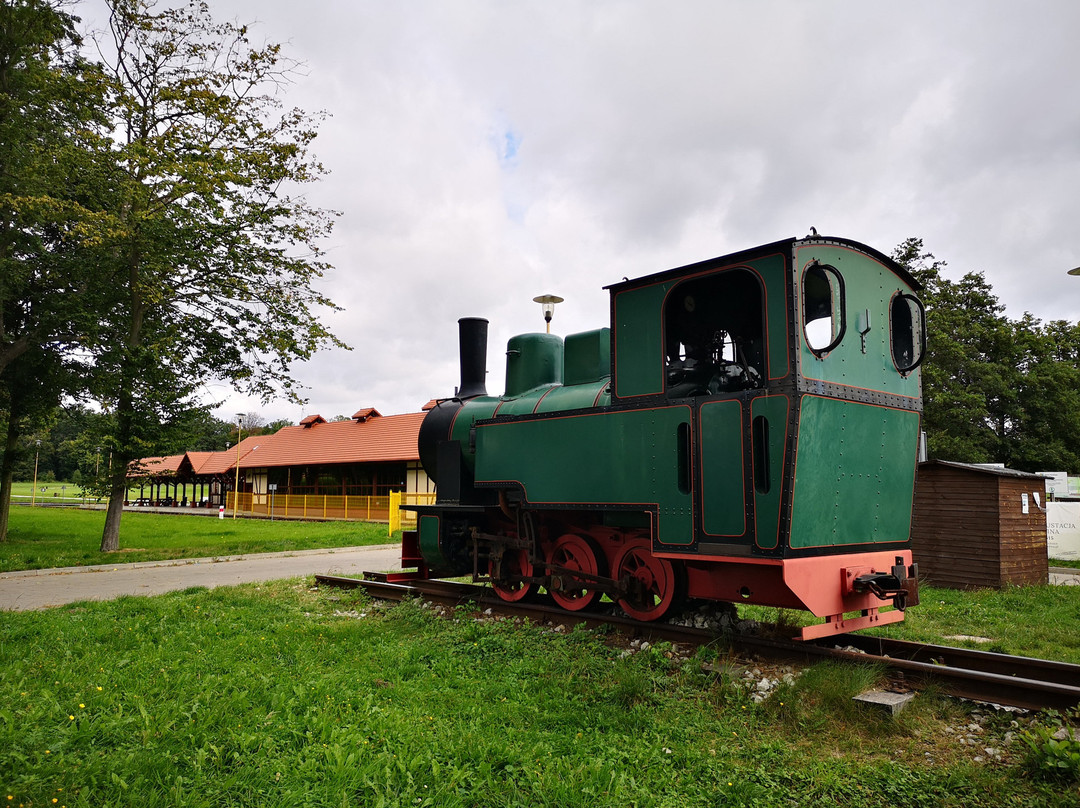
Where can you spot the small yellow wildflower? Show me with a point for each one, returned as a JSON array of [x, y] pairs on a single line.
[[71, 718], [82, 706]]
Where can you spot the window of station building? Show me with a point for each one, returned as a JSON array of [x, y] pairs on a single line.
[[823, 308], [907, 332], [714, 335]]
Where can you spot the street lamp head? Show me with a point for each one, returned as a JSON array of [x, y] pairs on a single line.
[[1074, 271], [547, 302]]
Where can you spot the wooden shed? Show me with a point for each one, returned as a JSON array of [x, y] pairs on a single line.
[[978, 526]]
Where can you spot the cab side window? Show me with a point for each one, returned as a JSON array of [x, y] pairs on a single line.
[[907, 332], [714, 335], [824, 322]]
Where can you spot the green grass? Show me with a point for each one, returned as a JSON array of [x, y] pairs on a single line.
[[282, 695], [40, 538], [55, 493], [1035, 621]]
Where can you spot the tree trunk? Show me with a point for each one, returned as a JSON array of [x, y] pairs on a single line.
[[7, 468], [110, 536]]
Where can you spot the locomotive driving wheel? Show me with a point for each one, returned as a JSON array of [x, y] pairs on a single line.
[[507, 574], [654, 586], [576, 554]]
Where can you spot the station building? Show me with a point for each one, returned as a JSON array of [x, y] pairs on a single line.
[[316, 469]]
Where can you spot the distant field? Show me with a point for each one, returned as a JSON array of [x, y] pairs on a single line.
[[41, 538], [53, 493]]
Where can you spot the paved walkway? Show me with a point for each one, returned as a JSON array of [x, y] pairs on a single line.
[[1065, 576], [40, 589]]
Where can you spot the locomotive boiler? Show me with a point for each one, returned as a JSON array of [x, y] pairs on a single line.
[[744, 430]]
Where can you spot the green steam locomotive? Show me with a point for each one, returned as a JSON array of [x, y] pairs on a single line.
[[745, 430]]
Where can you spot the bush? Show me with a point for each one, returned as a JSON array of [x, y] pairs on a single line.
[[1053, 752]]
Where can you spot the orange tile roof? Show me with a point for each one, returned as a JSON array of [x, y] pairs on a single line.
[[220, 462], [377, 439], [198, 460], [160, 465]]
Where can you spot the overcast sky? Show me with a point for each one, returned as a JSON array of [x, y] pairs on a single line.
[[484, 153]]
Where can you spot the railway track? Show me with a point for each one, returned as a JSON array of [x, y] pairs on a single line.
[[1035, 684]]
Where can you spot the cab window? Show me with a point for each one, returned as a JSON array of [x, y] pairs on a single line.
[[823, 308], [907, 332], [714, 336]]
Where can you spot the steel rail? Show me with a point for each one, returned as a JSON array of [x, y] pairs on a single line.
[[1045, 670], [1034, 684]]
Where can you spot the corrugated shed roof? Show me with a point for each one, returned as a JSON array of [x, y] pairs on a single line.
[[386, 438], [997, 471]]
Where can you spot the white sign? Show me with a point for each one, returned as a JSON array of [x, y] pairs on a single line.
[[1057, 483], [1063, 530]]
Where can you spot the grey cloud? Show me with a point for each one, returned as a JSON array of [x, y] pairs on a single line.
[[655, 134]]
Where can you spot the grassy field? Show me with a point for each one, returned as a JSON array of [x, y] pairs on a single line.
[[54, 493], [66, 537], [1035, 621], [284, 695]]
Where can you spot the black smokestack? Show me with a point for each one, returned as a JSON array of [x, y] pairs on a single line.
[[472, 342]]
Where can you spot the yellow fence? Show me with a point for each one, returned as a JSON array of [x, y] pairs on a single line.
[[324, 506], [405, 520]]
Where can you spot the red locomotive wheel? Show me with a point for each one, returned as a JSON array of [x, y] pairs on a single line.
[[574, 553], [515, 566], [655, 586]]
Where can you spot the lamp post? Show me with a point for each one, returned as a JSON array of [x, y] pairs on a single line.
[[548, 302], [236, 485], [33, 492]]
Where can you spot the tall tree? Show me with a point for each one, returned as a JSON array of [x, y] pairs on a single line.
[[51, 109], [994, 389], [214, 252], [1046, 436]]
